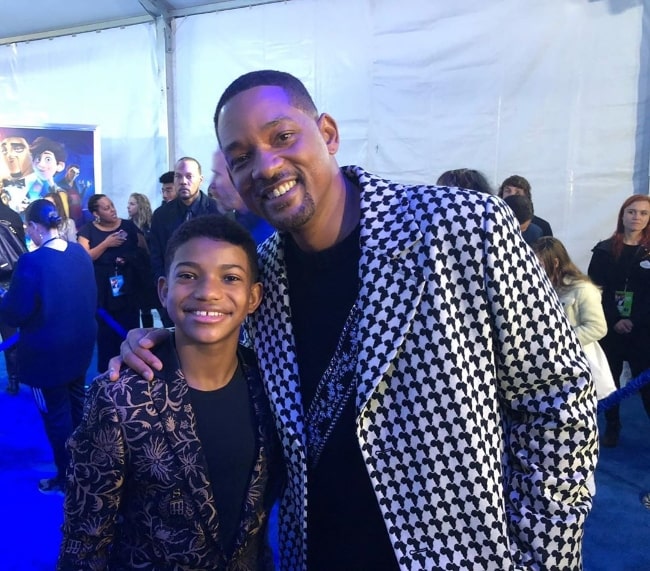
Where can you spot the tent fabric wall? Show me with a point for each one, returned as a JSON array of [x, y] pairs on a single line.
[[109, 79], [550, 90], [543, 89]]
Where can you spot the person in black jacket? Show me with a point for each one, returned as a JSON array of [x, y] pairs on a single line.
[[620, 265], [190, 202], [6, 330]]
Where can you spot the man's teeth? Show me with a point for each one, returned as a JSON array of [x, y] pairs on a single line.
[[208, 313], [283, 188]]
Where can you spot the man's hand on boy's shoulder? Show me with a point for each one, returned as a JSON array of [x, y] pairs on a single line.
[[135, 352]]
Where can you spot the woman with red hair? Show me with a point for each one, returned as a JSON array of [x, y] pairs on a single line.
[[621, 266]]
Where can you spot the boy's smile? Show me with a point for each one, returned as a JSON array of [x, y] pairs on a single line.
[[208, 291]]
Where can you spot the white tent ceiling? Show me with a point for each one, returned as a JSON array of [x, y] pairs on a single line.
[[39, 19], [535, 88]]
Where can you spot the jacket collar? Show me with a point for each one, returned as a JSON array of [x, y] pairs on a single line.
[[391, 274], [390, 238]]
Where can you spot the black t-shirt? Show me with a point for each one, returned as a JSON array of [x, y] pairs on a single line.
[[345, 529], [224, 423]]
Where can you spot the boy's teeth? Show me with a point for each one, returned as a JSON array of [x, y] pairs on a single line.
[[208, 313]]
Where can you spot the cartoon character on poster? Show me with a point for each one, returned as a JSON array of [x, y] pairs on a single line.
[[19, 172], [37, 161]]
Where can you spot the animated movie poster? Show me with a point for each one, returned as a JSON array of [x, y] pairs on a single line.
[[37, 161]]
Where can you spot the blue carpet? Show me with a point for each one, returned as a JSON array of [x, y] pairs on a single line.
[[616, 538]]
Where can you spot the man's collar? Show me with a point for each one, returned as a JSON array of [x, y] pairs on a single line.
[[197, 200]]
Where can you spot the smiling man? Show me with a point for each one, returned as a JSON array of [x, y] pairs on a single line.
[[190, 202], [414, 391], [433, 403]]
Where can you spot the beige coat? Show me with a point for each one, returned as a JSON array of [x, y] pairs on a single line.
[[581, 301]]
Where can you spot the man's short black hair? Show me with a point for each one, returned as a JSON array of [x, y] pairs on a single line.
[[185, 159], [291, 85], [215, 227], [167, 178]]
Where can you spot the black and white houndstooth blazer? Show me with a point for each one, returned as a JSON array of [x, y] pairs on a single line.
[[476, 411]]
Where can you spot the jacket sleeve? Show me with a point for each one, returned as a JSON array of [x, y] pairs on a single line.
[[548, 403], [94, 484], [591, 324], [21, 300]]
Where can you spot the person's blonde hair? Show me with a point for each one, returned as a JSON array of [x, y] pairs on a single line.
[[143, 218]]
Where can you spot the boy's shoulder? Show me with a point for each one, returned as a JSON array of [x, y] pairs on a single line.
[[131, 385], [128, 385]]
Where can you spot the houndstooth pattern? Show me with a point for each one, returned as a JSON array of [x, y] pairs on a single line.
[[476, 412]]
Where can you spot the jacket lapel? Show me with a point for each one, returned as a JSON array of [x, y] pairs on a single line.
[[265, 479], [276, 349], [171, 400], [391, 287], [391, 273]]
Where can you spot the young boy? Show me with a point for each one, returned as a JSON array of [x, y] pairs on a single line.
[[181, 473]]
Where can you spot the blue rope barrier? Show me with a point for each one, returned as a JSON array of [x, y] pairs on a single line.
[[110, 321], [9, 342], [629, 389]]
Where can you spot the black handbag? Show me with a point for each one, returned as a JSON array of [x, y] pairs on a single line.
[[11, 248]]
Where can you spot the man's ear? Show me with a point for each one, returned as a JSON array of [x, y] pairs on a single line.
[[163, 291], [60, 166], [329, 131], [255, 297]]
